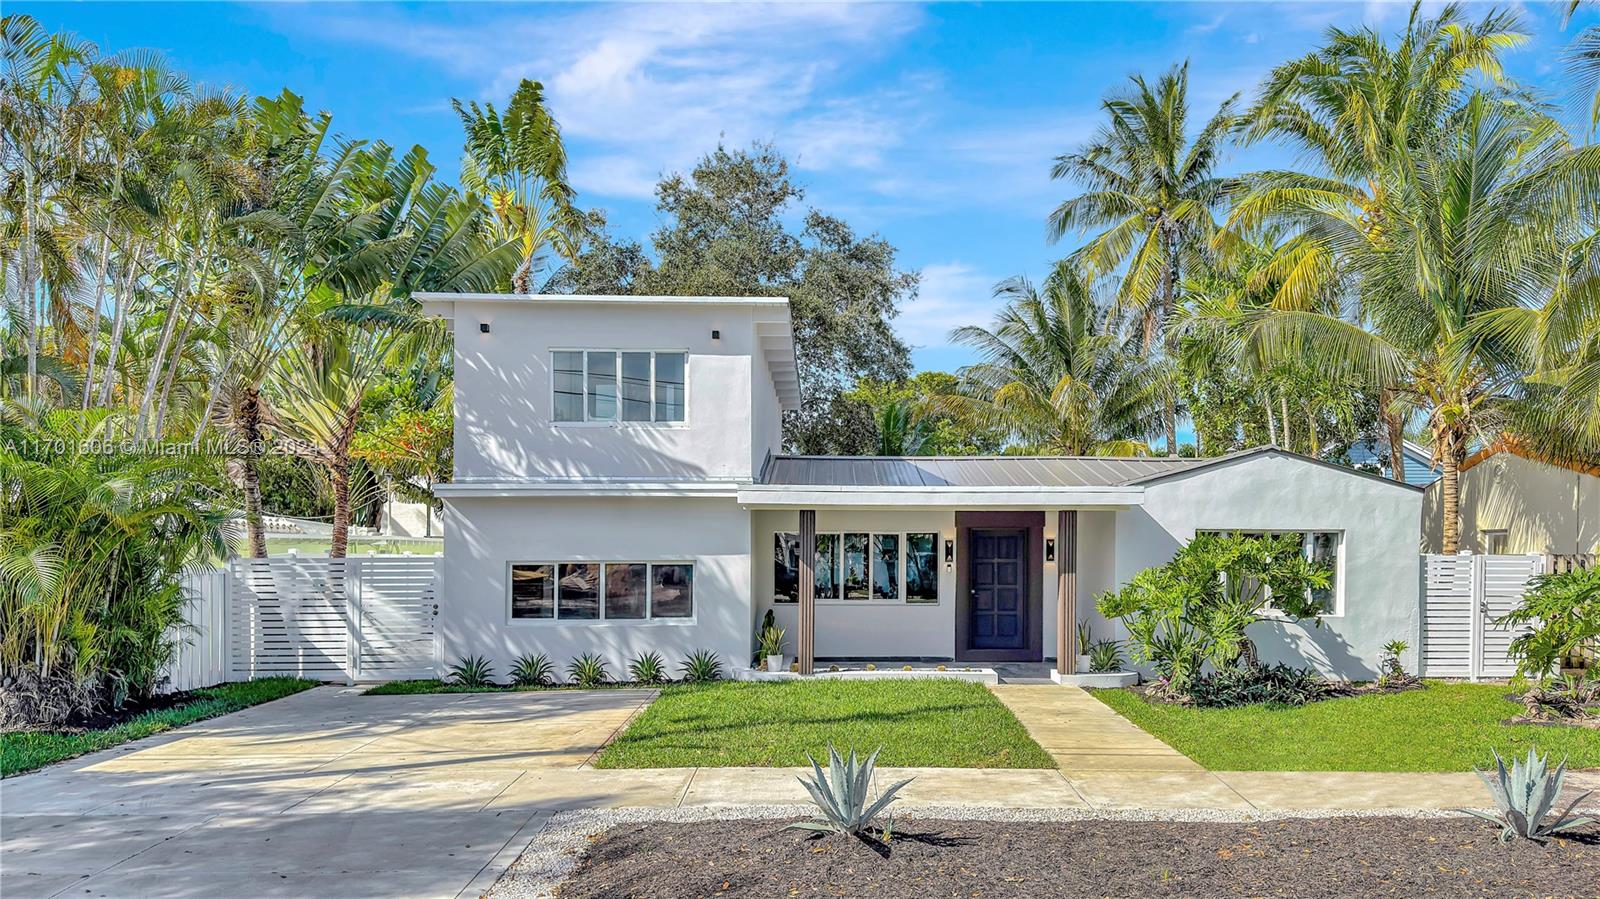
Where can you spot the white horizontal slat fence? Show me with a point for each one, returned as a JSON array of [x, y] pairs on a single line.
[[358, 619], [1463, 595]]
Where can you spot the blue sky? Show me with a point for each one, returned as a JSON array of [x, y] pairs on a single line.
[[932, 125]]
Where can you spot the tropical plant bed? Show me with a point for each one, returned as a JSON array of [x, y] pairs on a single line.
[[921, 723], [1351, 856], [26, 750], [413, 687], [1443, 727]]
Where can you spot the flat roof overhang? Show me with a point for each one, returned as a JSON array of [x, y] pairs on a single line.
[[807, 496], [492, 489]]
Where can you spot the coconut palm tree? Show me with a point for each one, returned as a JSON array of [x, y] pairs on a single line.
[[1483, 220], [1058, 372], [1584, 57], [1359, 108], [1152, 189], [518, 163]]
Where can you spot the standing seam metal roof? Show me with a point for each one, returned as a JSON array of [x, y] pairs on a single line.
[[969, 471]]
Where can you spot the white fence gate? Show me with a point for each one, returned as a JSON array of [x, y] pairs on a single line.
[[357, 619], [202, 654], [1463, 595]]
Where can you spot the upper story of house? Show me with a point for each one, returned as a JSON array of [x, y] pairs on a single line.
[[593, 388]]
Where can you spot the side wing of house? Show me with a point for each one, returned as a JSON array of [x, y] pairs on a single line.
[[1365, 525]]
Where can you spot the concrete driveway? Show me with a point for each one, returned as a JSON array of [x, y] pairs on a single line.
[[325, 793]]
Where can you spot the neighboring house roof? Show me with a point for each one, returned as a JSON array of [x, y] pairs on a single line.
[[1005, 472], [1418, 460], [1516, 448]]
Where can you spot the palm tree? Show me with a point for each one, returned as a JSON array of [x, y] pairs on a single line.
[[408, 234], [518, 163], [1152, 189], [1359, 109], [1057, 371], [1584, 57], [1481, 222]]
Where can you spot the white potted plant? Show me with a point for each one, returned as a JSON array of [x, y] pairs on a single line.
[[1085, 640], [772, 647]]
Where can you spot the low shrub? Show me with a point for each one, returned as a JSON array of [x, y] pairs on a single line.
[[1259, 684], [533, 671], [702, 667], [1105, 656], [472, 671], [588, 670], [648, 668]]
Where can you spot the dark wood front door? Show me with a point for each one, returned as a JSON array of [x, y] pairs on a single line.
[[998, 579]]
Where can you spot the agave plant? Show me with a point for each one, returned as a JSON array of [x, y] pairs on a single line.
[[648, 668], [533, 671], [472, 671], [842, 793], [588, 670], [1525, 796], [702, 667]]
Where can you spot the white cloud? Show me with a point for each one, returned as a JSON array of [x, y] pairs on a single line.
[[952, 294], [650, 88]]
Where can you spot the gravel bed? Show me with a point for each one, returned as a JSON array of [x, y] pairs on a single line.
[[556, 851]]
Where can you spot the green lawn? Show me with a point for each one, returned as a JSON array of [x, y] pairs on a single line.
[[1446, 727], [25, 751], [921, 723]]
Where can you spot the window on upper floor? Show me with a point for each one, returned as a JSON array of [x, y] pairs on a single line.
[[628, 386]]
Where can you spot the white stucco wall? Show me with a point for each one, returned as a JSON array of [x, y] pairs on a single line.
[[503, 392], [1380, 573], [1542, 508], [485, 535]]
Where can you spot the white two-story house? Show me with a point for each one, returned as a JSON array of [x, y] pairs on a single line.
[[620, 487]]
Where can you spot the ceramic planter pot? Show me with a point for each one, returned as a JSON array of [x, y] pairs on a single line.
[[775, 663], [1083, 664]]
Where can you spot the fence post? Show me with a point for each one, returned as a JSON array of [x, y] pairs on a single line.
[[352, 598], [1475, 650]]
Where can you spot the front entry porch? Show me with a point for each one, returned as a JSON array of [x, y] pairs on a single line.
[[969, 588]]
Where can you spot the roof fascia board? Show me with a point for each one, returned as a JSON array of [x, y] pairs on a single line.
[[1243, 455], [805, 495]]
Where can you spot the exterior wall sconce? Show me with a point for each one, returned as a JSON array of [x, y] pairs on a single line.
[[1049, 549], [949, 553], [716, 335], [483, 327]]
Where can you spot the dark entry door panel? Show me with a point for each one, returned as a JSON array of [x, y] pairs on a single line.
[[999, 584]]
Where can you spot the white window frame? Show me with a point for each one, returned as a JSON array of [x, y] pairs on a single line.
[[588, 422], [1486, 537], [649, 598], [1271, 611], [899, 599]]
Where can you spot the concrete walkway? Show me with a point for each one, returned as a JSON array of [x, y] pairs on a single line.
[[331, 793]]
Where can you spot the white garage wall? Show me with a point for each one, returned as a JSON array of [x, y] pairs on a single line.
[[1380, 521], [485, 535]]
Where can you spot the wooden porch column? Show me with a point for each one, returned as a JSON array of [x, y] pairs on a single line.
[[1067, 591], [805, 648]]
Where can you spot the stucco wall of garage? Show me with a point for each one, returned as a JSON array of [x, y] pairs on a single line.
[[485, 535], [1380, 522]]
